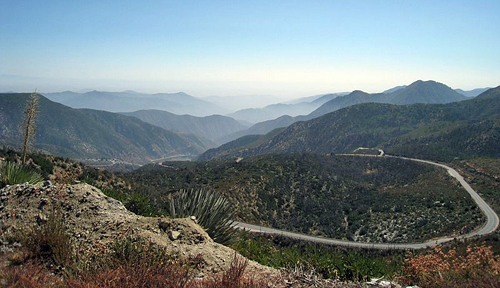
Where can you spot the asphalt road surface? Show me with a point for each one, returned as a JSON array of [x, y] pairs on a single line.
[[490, 226]]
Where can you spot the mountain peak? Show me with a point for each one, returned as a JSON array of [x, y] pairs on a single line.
[[421, 91], [358, 92], [424, 83]]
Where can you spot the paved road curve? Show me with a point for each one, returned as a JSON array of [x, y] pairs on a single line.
[[490, 226]]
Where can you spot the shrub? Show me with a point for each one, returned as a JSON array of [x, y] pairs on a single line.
[[451, 269], [49, 241], [234, 277], [46, 166], [330, 262], [117, 195], [129, 262], [128, 275], [31, 274], [135, 202], [211, 210], [139, 204], [130, 250], [15, 173]]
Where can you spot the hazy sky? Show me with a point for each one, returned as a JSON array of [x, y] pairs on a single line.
[[283, 48]]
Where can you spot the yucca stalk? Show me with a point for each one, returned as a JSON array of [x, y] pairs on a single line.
[[210, 209], [29, 126]]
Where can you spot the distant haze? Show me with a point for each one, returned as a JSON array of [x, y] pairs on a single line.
[[242, 102], [286, 49]]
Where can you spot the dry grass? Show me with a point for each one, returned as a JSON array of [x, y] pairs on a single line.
[[47, 259], [49, 241], [31, 274], [134, 275], [234, 277], [34, 273]]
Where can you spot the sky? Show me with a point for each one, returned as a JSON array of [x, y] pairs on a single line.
[[287, 49]]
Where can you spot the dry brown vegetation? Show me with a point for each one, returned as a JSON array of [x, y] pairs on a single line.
[[47, 258], [477, 267], [129, 274]]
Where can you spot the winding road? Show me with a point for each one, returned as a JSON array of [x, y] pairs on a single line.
[[491, 225]]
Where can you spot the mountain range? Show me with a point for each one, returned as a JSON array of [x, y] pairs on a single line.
[[417, 92], [466, 93], [240, 102], [306, 106], [473, 92], [444, 132], [210, 127], [93, 134], [129, 101]]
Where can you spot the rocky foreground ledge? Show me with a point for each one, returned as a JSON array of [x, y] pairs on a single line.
[[95, 220]]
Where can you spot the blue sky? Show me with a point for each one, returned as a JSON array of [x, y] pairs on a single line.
[[281, 48]]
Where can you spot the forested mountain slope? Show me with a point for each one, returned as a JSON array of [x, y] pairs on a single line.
[[417, 92], [433, 131], [211, 127], [93, 134]]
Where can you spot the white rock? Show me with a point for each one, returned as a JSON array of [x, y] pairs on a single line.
[[193, 218], [173, 235], [378, 282]]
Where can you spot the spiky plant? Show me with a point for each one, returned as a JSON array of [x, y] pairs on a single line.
[[211, 209], [15, 173]]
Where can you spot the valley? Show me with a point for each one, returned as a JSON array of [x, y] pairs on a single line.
[[363, 199], [292, 180], [490, 226], [103, 136], [303, 190], [250, 144]]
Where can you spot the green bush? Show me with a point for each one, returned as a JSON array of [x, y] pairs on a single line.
[[210, 209], [139, 204], [15, 173], [117, 195], [135, 202], [328, 261], [45, 164]]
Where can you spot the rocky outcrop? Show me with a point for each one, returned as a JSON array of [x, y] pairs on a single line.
[[95, 220]]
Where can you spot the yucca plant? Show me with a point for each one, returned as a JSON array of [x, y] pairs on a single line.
[[29, 127], [211, 209], [15, 173]]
